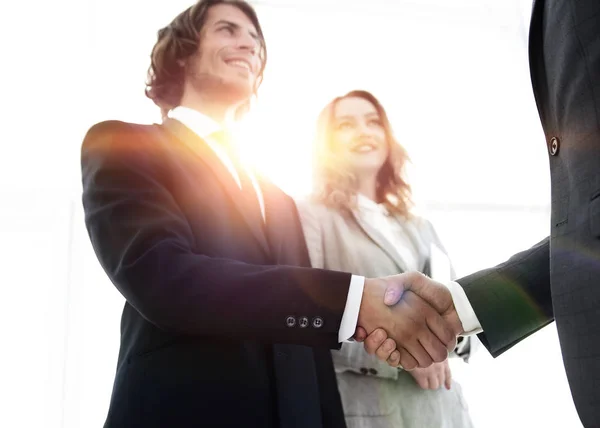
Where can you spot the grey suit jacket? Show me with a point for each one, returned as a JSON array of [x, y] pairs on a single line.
[[559, 278], [343, 241]]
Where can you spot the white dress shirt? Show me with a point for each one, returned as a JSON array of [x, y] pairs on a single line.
[[466, 314], [204, 127]]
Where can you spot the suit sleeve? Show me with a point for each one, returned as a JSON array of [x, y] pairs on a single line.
[[513, 299], [145, 245]]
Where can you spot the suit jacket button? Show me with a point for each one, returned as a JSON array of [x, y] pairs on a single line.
[[554, 146], [303, 322], [290, 321], [373, 371], [364, 370], [317, 322]]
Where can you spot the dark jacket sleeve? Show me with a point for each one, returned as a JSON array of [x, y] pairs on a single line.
[[145, 245], [513, 299]]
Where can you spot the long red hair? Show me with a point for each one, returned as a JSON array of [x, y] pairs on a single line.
[[335, 186]]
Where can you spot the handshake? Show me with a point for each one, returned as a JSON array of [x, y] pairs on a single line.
[[408, 320]]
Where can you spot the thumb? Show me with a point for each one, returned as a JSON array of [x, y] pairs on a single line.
[[436, 294], [393, 291]]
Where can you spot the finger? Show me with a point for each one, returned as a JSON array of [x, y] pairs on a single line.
[[360, 334], [437, 350], [434, 382], [423, 381], [407, 361], [394, 359], [375, 340], [419, 353], [448, 372], [385, 350], [425, 322], [437, 333], [440, 328]]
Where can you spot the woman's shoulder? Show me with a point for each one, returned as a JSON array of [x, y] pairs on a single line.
[[421, 223], [416, 219]]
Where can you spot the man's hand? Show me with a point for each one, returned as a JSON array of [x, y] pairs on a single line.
[[435, 293], [421, 325], [434, 376]]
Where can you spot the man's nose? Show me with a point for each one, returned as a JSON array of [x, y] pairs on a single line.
[[248, 43]]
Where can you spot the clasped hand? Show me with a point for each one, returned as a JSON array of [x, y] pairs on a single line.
[[408, 320]]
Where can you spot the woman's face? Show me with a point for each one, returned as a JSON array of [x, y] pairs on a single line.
[[358, 136]]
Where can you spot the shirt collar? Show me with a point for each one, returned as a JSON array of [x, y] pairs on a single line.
[[367, 205], [201, 124]]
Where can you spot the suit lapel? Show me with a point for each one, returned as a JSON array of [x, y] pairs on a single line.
[[416, 237], [208, 157], [284, 231], [536, 60], [381, 241]]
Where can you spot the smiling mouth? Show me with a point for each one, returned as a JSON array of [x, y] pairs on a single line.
[[364, 148], [242, 65]]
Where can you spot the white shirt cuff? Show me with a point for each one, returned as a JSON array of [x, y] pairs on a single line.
[[350, 316], [465, 311]]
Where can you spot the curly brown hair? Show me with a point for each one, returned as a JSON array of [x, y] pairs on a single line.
[[336, 187], [177, 42]]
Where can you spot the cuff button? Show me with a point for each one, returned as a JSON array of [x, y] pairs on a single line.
[[317, 322]]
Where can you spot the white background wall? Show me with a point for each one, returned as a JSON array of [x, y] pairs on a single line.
[[453, 76]]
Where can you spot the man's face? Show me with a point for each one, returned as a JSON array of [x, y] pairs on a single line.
[[227, 62]]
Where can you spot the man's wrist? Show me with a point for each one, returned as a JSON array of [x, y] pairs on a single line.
[[464, 311], [365, 304], [349, 319]]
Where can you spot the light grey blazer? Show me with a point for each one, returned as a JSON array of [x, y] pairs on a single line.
[[373, 393]]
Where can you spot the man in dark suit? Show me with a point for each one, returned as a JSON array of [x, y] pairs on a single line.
[[224, 324], [559, 278]]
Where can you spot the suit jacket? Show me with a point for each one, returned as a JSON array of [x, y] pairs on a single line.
[[559, 278], [373, 393], [224, 324]]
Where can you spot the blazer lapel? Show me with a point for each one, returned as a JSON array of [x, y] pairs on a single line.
[[416, 237], [378, 238], [207, 156], [284, 231]]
